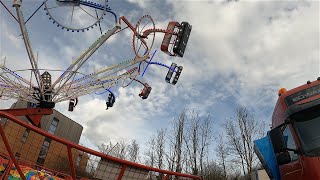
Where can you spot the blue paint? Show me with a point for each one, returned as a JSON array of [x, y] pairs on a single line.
[[107, 90], [148, 62], [264, 150], [100, 7], [164, 65], [157, 63]]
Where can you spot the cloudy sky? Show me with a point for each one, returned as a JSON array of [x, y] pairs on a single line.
[[239, 54]]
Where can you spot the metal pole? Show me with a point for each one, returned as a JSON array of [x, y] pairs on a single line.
[[166, 177], [6, 143], [9, 11], [82, 59], [8, 169], [123, 169], [17, 4], [90, 151], [73, 172]]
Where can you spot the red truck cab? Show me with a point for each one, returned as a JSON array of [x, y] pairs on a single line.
[[295, 134]]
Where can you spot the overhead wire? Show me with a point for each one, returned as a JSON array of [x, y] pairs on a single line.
[[9, 11], [34, 12]]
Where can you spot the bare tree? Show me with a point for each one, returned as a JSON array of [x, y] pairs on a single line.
[[186, 162], [212, 171], [119, 149], [150, 154], [180, 125], [133, 151], [191, 140], [160, 147], [107, 148], [241, 130], [222, 154], [102, 148], [205, 140], [174, 156], [186, 146], [235, 143], [170, 157], [197, 140]]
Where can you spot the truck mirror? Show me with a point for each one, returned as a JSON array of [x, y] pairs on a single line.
[[283, 158], [277, 140]]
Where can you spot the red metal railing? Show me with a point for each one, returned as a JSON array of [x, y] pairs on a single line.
[[97, 164]]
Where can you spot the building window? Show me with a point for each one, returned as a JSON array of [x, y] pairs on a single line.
[[78, 160], [53, 125], [25, 136], [44, 151]]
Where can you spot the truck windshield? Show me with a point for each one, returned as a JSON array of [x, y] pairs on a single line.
[[307, 125]]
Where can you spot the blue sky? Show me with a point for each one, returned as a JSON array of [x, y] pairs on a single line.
[[239, 54]]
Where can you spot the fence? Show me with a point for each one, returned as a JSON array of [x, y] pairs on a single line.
[[27, 151]]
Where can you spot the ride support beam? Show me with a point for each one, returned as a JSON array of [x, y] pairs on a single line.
[[123, 169], [125, 20], [166, 177], [7, 145], [90, 151], [8, 169], [73, 172], [9, 11], [34, 115]]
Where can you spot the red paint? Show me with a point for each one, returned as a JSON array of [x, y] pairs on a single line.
[[124, 19], [73, 172], [167, 38], [166, 177], [34, 115], [7, 171], [123, 169], [69, 144], [305, 167], [6, 143]]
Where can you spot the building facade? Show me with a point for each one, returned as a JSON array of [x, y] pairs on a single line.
[[34, 149]]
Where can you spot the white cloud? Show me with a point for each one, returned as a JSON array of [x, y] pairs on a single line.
[[239, 51], [127, 119], [141, 3], [263, 45]]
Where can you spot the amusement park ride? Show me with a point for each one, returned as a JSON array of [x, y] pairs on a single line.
[[43, 94], [71, 84]]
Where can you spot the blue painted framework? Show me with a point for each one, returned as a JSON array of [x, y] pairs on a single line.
[[265, 153]]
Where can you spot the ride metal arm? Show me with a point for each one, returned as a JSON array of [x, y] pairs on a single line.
[[133, 29], [17, 4], [104, 77], [70, 72], [34, 115], [8, 92], [87, 88], [11, 86], [105, 72], [21, 79]]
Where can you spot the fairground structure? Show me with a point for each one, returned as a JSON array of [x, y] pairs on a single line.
[[32, 144]]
